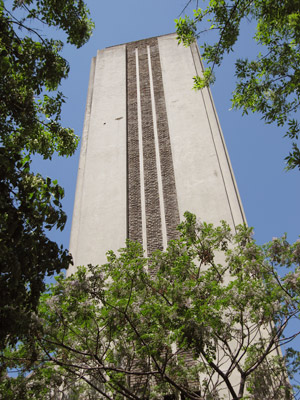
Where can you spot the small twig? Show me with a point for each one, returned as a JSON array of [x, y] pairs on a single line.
[[186, 6]]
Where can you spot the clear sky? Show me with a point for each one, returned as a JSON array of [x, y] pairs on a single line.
[[270, 195]]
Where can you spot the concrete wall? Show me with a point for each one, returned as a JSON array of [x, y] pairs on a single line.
[[99, 218], [204, 178]]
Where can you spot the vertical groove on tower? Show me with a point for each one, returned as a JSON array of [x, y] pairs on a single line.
[[153, 219], [166, 159], [133, 159]]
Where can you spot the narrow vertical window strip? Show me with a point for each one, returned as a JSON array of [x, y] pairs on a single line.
[[140, 134], [133, 158], [127, 147], [157, 156]]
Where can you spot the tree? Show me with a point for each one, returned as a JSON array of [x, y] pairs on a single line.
[[31, 69], [203, 319], [269, 84]]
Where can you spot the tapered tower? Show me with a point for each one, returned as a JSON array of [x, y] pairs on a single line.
[[152, 148]]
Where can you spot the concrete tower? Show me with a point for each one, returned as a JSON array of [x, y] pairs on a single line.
[[152, 148]]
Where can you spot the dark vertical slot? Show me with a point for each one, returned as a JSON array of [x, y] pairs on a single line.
[[134, 210], [165, 151]]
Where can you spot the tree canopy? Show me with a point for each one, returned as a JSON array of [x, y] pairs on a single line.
[[204, 319], [31, 69], [270, 83]]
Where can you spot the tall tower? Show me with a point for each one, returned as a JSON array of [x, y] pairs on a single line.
[[152, 148]]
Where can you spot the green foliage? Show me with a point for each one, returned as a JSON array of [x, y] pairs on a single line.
[[31, 69], [269, 84], [205, 319]]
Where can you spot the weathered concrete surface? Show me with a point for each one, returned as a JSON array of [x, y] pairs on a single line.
[[99, 218], [204, 179]]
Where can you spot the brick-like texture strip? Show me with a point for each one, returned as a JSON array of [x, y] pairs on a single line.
[[165, 150], [134, 209], [153, 218]]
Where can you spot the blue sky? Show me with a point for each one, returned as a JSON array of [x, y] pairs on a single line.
[[270, 195]]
